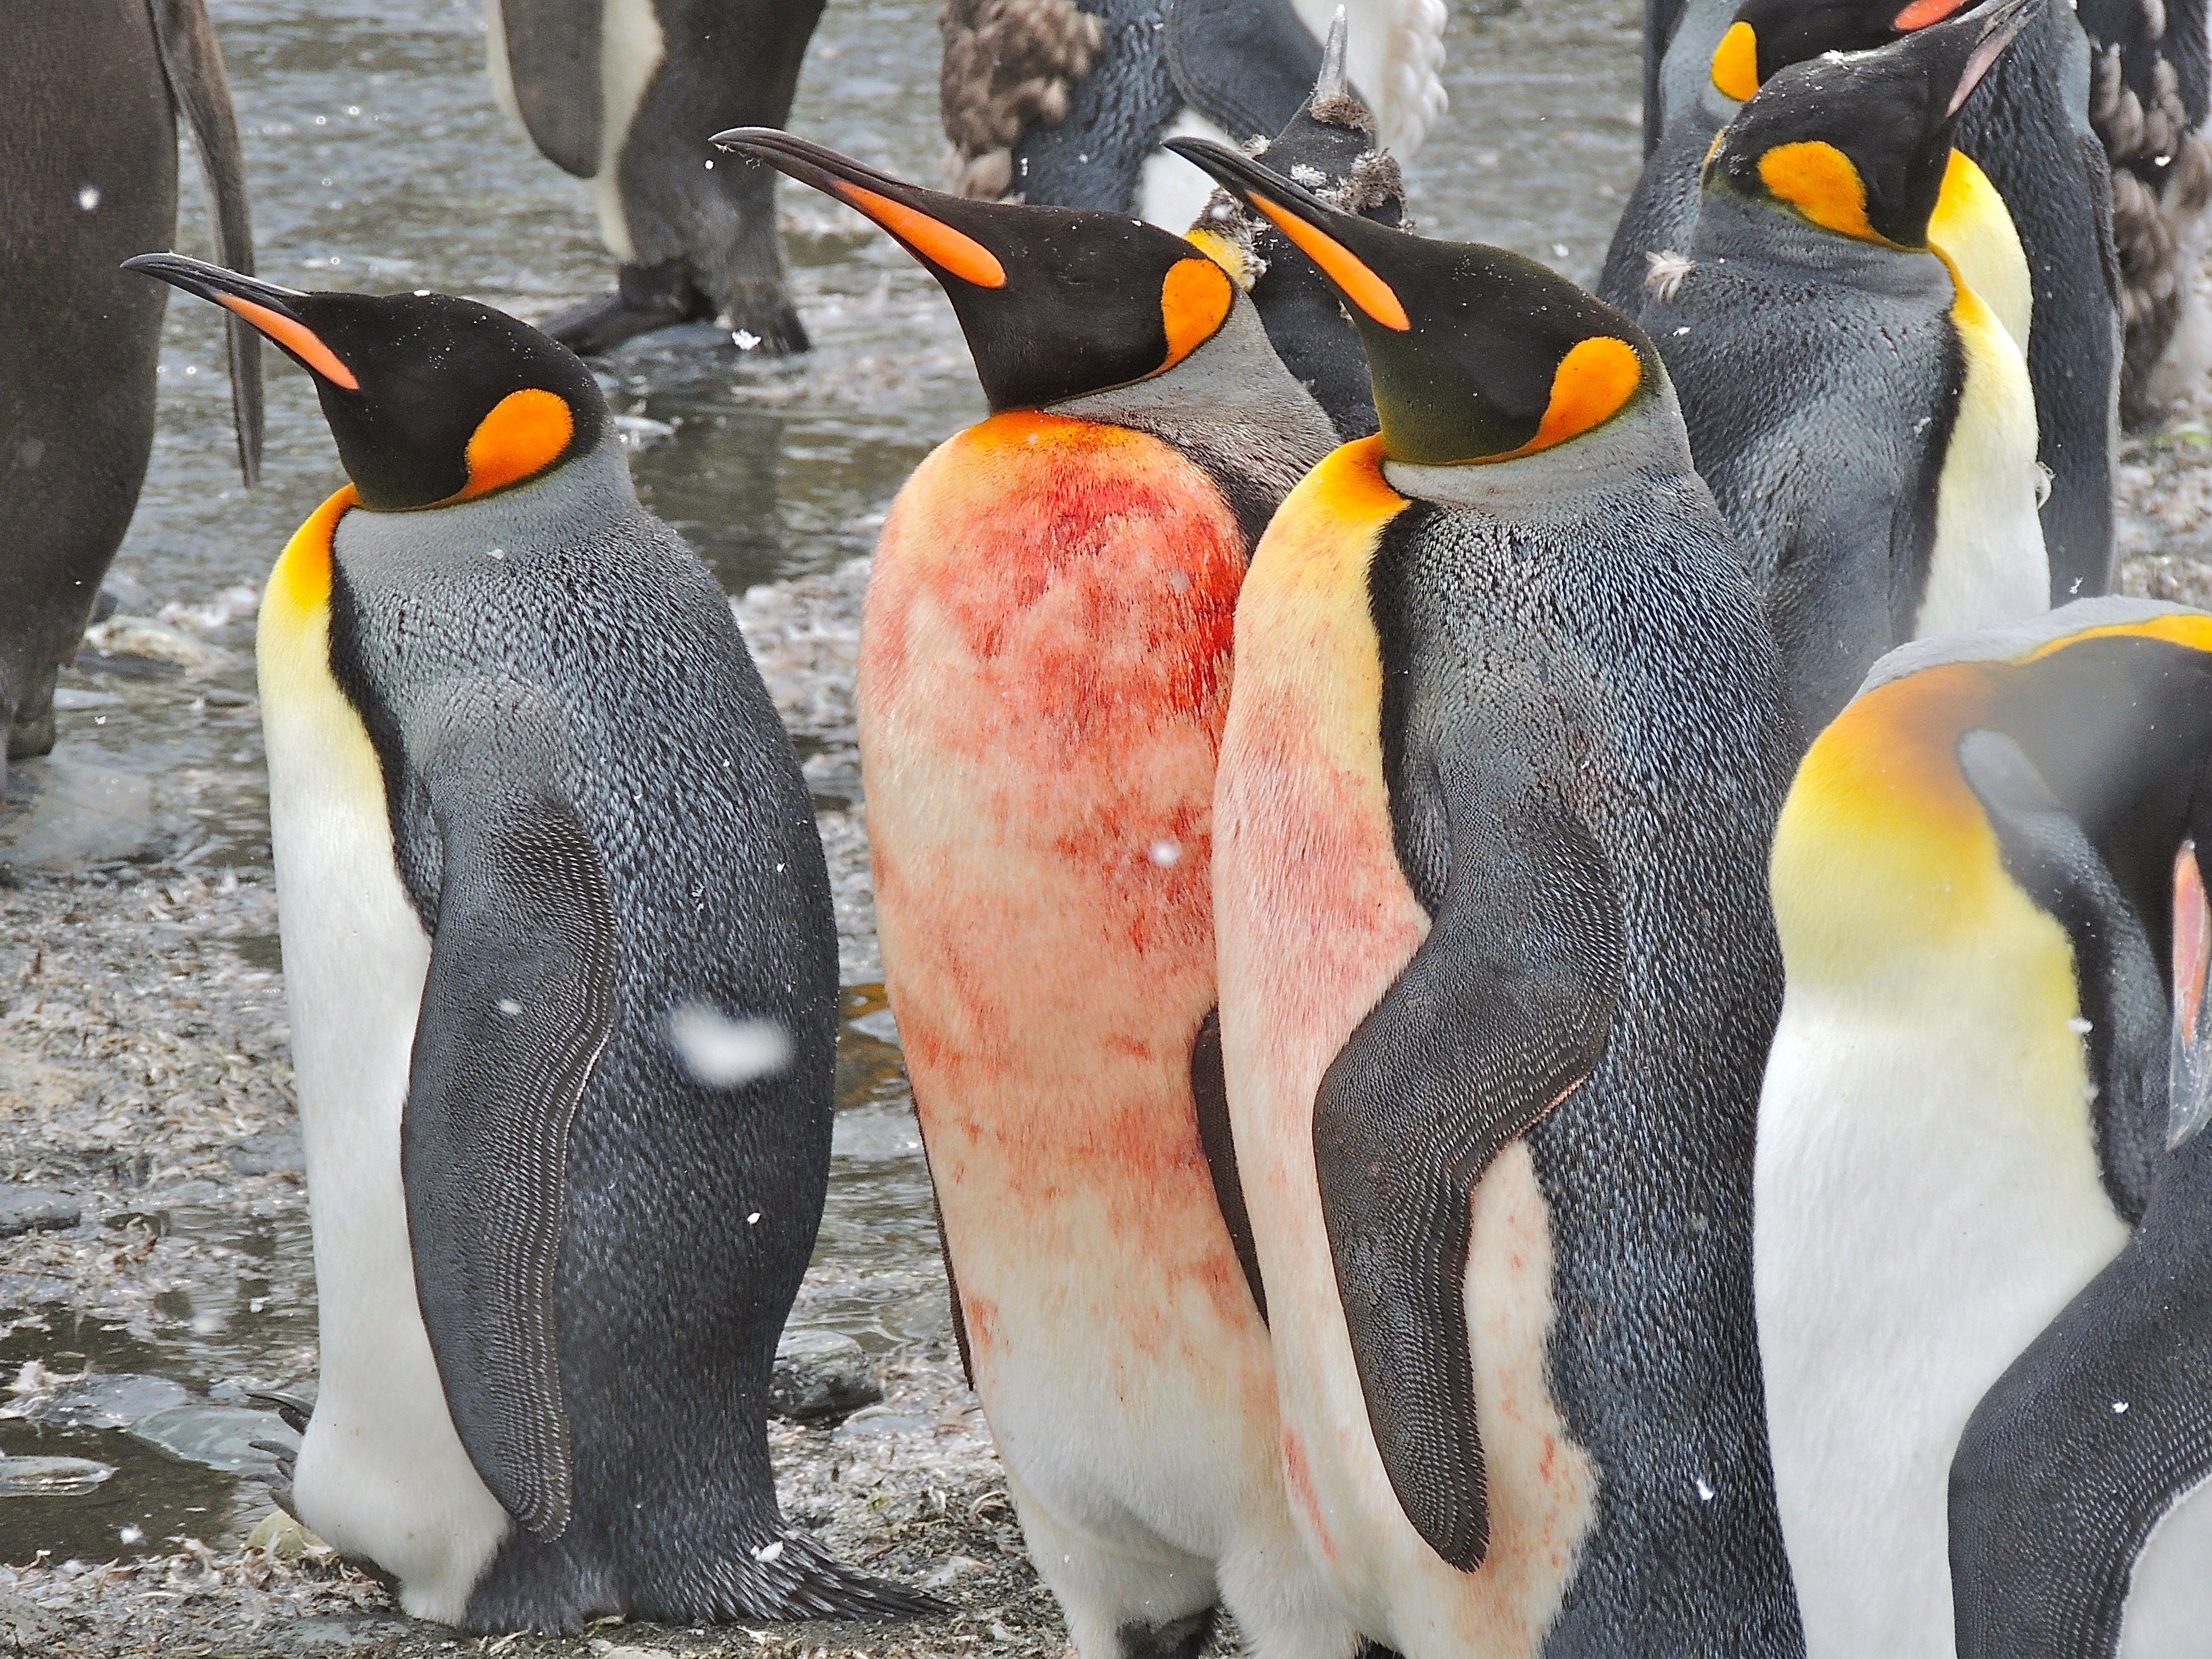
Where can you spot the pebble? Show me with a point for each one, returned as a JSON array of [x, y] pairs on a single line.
[[30, 1209], [821, 1374], [218, 1436], [102, 1402], [50, 1477]]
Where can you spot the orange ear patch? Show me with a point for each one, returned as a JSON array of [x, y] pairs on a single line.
[[1592, 380], [1921, 13], [1819, 181], [526, 433], [948, 249], [295, 337], [1194, 299], [1735, 64], [1341, 266]]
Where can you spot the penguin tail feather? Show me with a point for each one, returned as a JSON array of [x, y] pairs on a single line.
[[794, 1577]]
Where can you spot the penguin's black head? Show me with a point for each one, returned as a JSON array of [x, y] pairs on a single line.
[[431, 398], [1770, 35], [1858, 143], [1055, 301], [1476, 354]]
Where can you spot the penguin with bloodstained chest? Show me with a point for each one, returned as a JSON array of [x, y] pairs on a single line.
[[1966, 1113], [539, 842], [2028, 126], [1866, 422], [1498, 978], [90, 91], [1044, 663], [1329, 146], [622, 95], [1050, 103]]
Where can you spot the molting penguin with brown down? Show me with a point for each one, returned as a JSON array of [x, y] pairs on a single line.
[[1865, 419], [539, 842], [1497, 977], [1044, 663]]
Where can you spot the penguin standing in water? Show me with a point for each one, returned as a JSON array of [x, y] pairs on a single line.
[[1044, 664], [2028, 126], [1966, 1111], [623, 93], [1497, 979], [1864, 419], [539, 839], [90, 91], [1049, 102], [1330, 144]]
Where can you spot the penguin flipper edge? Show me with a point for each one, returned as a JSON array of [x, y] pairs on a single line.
[[1501, 1014], [553, 64], [519, 1001], [192, 60]]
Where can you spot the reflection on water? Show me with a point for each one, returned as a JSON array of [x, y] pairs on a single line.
[[378, 161]]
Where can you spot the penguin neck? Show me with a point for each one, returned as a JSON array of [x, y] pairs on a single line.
[[564, 504], [1231, 406], [1732, 229], [1643, 447]]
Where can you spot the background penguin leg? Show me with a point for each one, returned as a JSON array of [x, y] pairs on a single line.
[[1121, 1602]]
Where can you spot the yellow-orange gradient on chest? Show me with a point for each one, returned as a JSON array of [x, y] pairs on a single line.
[[1326, 906], [1044, 670]]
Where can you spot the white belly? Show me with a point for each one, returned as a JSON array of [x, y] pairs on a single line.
[[1989, 566], [1927, 1200], [630, 51], [1393, 52], [1170, 192], [2169, 1605], [382, 1475]]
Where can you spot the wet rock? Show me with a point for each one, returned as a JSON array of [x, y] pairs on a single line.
[[66, 813], [99, 1401], [50, 1477], [881, 1422], [25, 1626], [217, 1437], [28, 1209], [123, 635], [879, 1025], [821, 1374], [278, 1535], [273, 1151]]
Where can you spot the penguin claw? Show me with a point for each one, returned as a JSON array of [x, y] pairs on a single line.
[[294, 1411], [646, 298]]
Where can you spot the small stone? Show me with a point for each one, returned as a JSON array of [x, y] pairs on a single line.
[[27, 1209], [626, 1652], [217, 1437], [50, 1477], [821, 1374], [278, 1535]]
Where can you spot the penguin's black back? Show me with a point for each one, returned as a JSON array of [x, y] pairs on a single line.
[[1626, 641]]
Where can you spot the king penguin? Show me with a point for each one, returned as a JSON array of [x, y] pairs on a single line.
[[1050, 103], [2042, 252], [1330, 146], [1866, 422], [621, 93], [1044, 662], [539, 839], [1498, 977], [1966, 1113], [89, 95]]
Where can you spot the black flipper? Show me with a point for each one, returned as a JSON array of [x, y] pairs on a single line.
[[2122, 995], [1209, 1088], [553, 63], [1501, 1012], [519, 999], [1661, 19], [1244, 67], [192, 62]]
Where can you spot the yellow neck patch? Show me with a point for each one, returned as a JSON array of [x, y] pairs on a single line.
[[1592, 380], [1194, 300], [1341, 266], [300, 586], [935, 241], [1819, 181], [1223, 252], [526, 433], [1973, 231], [1735, 64]]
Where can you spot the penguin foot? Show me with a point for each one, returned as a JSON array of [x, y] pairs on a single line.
[[294, 1410], [279, 1482], [1179, 1639], [645, 297]]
